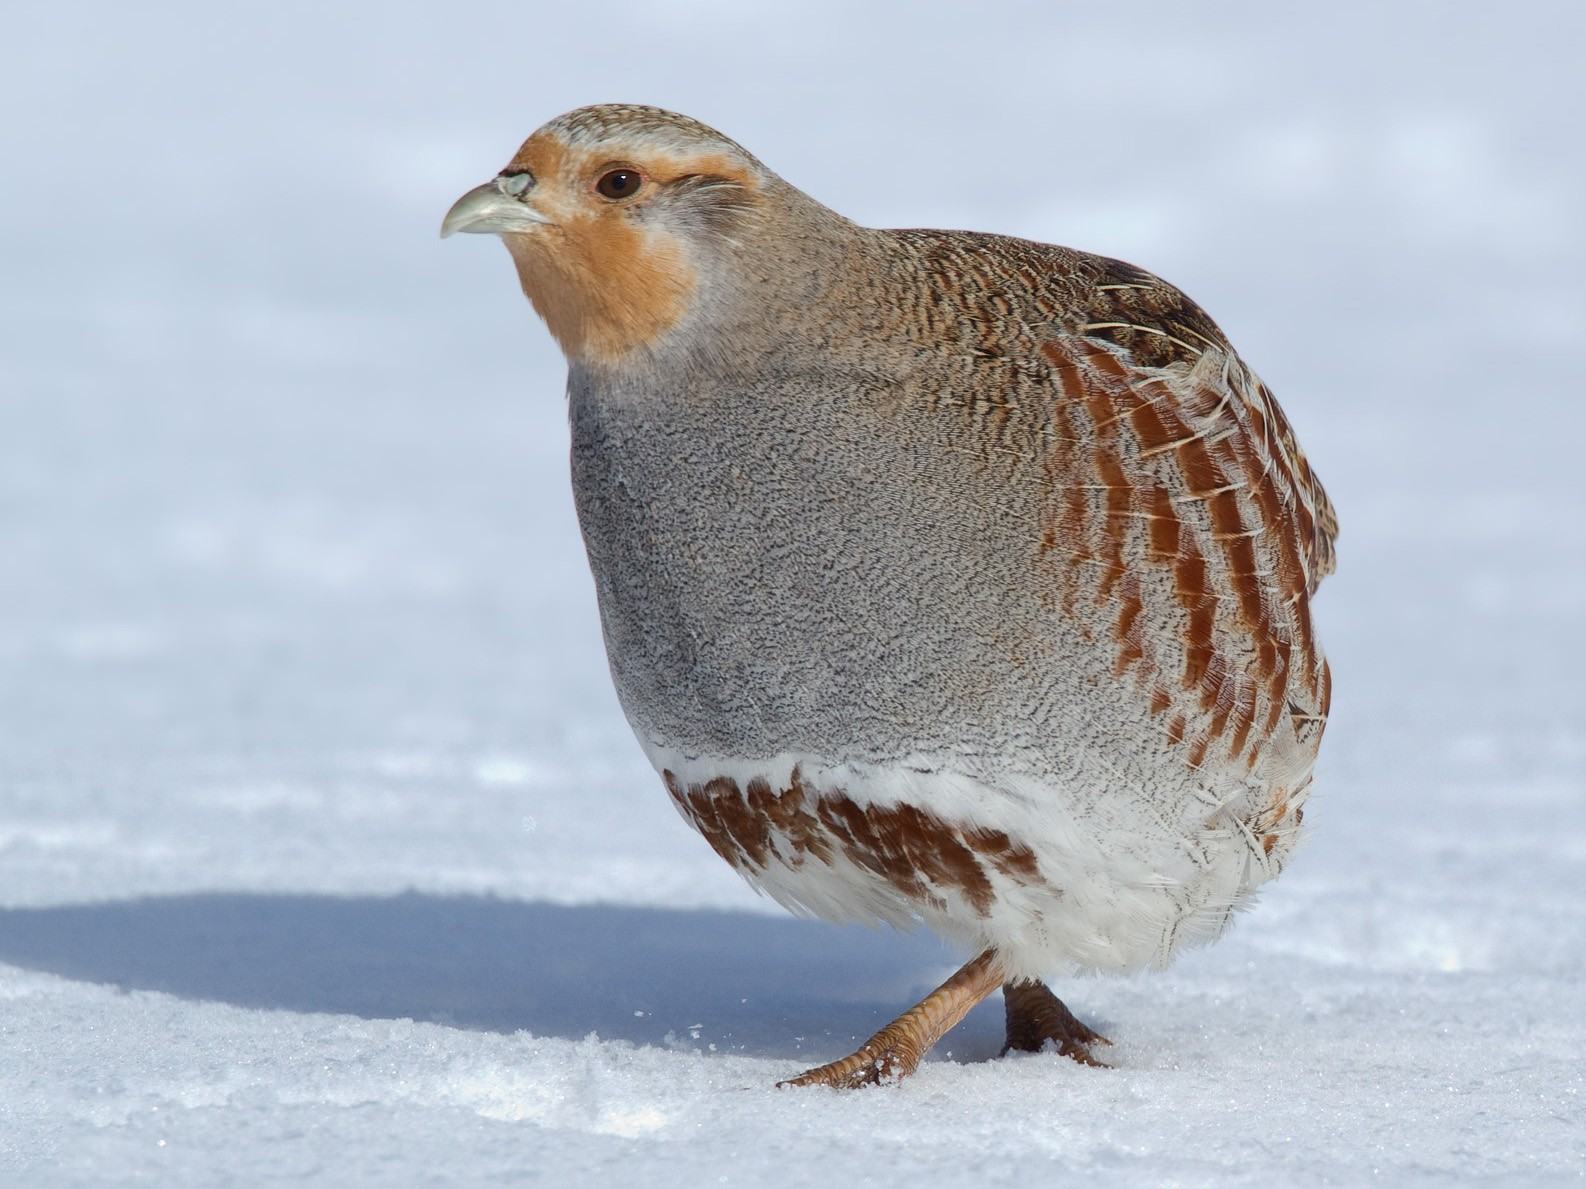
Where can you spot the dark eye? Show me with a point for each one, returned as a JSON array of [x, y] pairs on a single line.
[[620, 183]]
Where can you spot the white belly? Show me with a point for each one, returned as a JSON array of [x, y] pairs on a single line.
[[1053, 883]]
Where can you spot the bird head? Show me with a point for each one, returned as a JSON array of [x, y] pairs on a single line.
[[621, 221]]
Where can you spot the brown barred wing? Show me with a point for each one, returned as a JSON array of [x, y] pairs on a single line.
[[1185, 529], [1156, 325]]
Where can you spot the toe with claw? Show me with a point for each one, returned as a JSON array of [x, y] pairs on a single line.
[[1036, 1016]]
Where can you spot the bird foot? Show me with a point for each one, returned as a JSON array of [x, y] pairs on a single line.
[[896, 1051], [870, 1065], [1036, 1016]]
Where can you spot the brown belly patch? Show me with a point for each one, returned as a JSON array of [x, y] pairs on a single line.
[[916, 852]]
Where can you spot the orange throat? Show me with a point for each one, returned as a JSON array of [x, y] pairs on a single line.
[[604, 287]]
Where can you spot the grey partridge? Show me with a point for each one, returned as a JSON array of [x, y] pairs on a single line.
[[945, 577]]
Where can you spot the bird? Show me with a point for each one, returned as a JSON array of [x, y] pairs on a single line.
[[946, 578]]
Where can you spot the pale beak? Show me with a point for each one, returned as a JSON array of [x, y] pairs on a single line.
[[492, 209]]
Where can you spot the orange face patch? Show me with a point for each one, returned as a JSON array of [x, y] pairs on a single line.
[[605, 285]]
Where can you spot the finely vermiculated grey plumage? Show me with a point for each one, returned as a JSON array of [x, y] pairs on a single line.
[[944, 576]]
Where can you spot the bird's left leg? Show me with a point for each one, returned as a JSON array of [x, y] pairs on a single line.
[[896, 1051], [1036, 1016]]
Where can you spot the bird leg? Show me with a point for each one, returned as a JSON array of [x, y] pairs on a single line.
[[1036, 1016], [895, 1052]]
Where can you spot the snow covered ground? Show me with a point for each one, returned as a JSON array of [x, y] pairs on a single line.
[[325, 854]]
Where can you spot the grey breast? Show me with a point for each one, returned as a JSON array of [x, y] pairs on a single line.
[[808, 564]]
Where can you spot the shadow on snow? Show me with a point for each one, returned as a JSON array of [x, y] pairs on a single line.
[[760, 985]]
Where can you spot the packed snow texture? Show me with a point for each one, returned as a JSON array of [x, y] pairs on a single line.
[[325, 853]]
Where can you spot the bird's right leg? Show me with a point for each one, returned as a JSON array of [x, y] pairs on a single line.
[[896, 1051], [1036, 1016]]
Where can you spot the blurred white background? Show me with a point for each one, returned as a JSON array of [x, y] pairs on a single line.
[[292, 598]]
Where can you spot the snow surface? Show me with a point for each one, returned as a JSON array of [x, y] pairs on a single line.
[[325, 854]]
